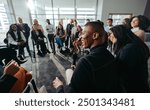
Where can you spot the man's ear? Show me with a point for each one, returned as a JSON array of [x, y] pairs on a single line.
[[95, 35]]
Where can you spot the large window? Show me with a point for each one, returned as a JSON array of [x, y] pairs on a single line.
[[37, 10], [57, 10], [85, 10], [118, 17], [85, 13], [6, 18]]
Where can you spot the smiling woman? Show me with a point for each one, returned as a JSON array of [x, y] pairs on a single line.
[[111, 37]]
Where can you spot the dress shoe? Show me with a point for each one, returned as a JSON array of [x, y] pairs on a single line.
[[48, 51], [20, 57], [40, 54], [20, 61]]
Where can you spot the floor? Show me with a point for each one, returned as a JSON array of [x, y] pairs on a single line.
[[45, 69]]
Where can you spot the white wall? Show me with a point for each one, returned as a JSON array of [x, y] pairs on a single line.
[[21, 10], [135, 7]]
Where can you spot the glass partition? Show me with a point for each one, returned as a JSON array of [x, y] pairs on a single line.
[[6, 18]]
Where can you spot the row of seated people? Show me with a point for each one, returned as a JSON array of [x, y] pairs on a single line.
[[18, 35], [17, 38]]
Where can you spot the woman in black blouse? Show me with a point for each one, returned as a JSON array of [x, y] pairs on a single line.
[[132, 55]]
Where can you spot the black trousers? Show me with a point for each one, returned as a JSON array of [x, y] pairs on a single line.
[[51, 41], [67, 41], [27, 47], [41, 46], [20, 49]]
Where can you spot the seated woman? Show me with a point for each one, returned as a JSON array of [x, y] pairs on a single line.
[[38, 37], [60, 36], [132, 55], [139, 25], [16, 40]]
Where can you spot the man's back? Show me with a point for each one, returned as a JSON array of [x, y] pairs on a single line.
[[96, 72]]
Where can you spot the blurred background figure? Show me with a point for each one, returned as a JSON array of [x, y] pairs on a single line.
[[139, 25], [126, 23], [50, 35], [109, 23], [16, 40], [60, 36], [68, 33], [87, 20], [26, 31], [38, 37]]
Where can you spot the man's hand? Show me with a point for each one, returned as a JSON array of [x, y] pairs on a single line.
[[21, 43], [11, 68], [57, 83]]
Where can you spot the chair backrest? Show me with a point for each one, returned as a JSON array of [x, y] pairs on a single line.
[[31, 87], [27, 89], [34, 85]]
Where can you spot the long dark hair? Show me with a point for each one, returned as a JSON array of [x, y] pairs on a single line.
[[144, 22], [125, 36], [10, 31]]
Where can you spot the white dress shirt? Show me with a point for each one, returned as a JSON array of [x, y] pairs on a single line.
[[12, 41]]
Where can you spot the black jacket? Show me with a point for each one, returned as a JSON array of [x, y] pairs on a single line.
[[133, 68], [36, 37], [95, 72], [69, 28], [25, 29]]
